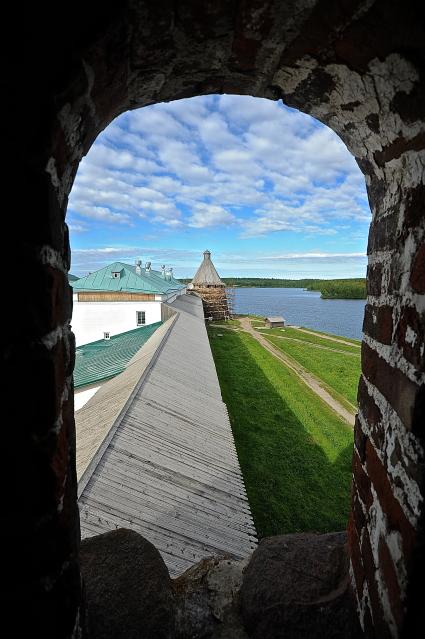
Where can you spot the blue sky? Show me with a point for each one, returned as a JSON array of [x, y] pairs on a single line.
[[269, 190]]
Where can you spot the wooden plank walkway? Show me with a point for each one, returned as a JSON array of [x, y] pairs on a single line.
[[170, 469]]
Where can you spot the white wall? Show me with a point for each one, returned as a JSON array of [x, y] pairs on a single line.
[[81, 397], [91, 319]]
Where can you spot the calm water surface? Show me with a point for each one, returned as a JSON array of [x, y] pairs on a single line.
[[304, 308]]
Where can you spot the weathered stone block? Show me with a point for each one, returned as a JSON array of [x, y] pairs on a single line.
[[298, 586], [128, 588]]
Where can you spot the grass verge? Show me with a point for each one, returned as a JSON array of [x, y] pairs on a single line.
[[295, 453], [340, 372], [308, 338]]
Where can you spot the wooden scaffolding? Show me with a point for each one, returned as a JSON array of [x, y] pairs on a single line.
[[217, 301]]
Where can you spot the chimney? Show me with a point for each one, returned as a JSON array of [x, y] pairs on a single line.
[[148, 267], [139, 267], [163, 270], [171, 272]]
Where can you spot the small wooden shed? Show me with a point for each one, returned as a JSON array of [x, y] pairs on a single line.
[[274, 322]]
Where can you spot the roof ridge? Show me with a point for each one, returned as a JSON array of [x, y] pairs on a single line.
[[207, 273]]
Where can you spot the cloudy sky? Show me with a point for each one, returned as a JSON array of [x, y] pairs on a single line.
[[269, 190]]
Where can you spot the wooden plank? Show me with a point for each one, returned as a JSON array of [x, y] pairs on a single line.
[[187, 487], [178, 556], [146, 447], [114, 296], [214, 540], [141, 499], [214, 504]]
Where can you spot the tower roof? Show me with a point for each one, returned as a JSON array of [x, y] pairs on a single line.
[[206, 273]]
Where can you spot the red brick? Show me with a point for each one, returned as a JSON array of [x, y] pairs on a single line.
[[379, 623], [355, 556], [417, 276], [383, 232], [387, 568], [399, 146], [362, 481], [397, 520], [369, 408], [410, 318], [369, 630], [374, 279], [414, 207], [359, 439], [398, 390], [378, 323], [357, 512]]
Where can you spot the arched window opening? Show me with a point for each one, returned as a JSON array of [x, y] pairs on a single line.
[[283, 204]]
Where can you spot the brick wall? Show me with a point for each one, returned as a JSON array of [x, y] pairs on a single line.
[[357, 66]]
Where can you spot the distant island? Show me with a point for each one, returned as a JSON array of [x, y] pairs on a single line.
[[348, 289]]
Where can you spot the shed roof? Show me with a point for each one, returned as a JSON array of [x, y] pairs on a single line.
[[128, 279], [103, 359], [206, 273]]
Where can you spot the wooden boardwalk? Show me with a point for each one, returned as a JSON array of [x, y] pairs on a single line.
[[168, 468]]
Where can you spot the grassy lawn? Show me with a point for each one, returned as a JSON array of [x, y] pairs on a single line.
[[356, 342], [295, 453], [318, 339], [339, 371], [231, 323]]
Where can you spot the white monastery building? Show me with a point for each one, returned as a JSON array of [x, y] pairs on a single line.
[[119, 298]]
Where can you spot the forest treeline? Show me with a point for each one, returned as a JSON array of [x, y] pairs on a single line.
[[353, 288]]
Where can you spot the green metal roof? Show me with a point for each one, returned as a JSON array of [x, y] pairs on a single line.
[[106, 358], [72, 278], [127, 280]]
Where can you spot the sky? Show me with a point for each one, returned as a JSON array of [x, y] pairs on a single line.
[[270, 191]]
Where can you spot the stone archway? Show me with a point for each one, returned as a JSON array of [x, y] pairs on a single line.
[[356, 66]]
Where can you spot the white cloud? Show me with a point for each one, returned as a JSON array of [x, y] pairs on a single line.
[[315, 256], [215, 161], [208, 215], [77, 228], [99, 213]]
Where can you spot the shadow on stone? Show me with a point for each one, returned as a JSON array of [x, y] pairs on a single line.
[[297, 586], [128, 588], [207, 600], [294, 586]]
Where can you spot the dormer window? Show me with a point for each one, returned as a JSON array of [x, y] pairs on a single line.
[[106, 335], [116, 274]]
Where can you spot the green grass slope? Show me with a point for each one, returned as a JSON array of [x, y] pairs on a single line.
[[295, 453], [340, 371]]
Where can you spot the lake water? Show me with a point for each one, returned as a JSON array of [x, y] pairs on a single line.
[[303, 308]]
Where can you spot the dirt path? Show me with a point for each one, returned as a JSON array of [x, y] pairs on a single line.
[[332, 339], [325, 348], [309, 379]]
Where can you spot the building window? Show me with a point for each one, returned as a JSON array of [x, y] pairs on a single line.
[[115, 274], [106, 335], [140, 318]]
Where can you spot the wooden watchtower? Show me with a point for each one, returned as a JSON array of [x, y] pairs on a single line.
[[208, 285]]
